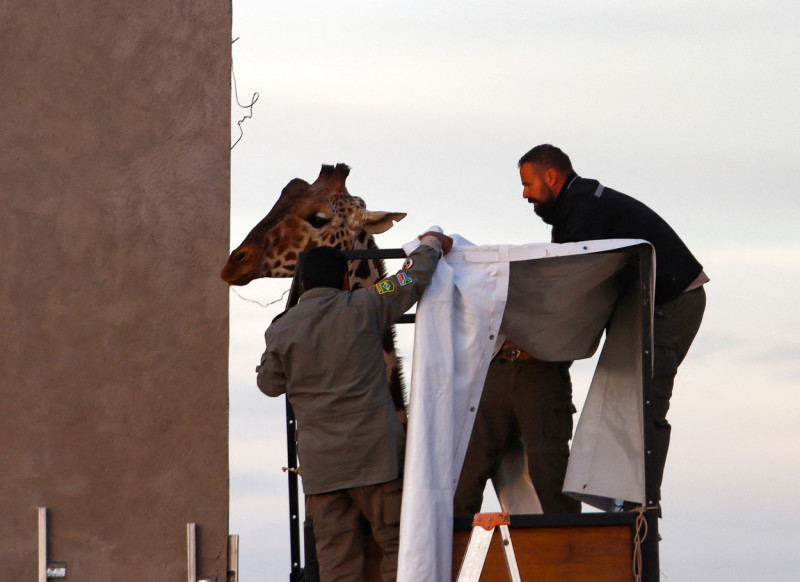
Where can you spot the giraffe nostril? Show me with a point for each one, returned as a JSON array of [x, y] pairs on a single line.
[[239, 257]]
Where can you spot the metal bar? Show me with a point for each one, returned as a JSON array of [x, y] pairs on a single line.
[[650, 557], [558, 520], [42, 513], [296, 572], [191, 552], [374, 254], [233, 558], [407, 318]]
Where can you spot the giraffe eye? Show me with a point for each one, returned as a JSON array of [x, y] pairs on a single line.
[[317, 220]]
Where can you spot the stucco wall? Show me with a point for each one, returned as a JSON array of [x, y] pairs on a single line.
[[114, 219]]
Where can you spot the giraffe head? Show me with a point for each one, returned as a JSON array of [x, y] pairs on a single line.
[[305, 216]]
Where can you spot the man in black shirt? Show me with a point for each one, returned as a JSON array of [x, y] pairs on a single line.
[[582, 209]]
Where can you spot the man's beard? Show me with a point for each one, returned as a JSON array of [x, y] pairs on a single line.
[[545, 210]]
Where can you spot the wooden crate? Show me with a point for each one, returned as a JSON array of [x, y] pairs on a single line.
[[585, 548], [591, 547]]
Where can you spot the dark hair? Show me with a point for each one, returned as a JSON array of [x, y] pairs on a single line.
[[549, 156], [322, 267]]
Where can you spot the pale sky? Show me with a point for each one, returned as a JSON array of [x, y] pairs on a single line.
[[691, 107]]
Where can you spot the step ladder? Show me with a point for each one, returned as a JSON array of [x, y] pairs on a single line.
[[483, 526]]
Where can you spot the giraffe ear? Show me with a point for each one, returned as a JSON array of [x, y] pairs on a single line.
[[378, 222]]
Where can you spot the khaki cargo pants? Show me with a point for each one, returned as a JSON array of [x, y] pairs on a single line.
[[338, 519]]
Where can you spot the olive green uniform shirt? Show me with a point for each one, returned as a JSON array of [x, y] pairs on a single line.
[[326, 355]]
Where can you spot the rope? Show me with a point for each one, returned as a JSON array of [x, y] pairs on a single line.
[[638, 538]]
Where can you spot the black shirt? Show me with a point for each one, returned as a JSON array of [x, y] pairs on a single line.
[[586, 210]]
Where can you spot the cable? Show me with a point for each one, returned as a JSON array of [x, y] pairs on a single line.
[[258, 302], [249, 107]]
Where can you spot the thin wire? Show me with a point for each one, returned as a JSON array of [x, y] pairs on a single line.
[[249, 107], [258, 302]]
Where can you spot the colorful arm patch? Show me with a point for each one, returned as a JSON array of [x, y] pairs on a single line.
[[403, 278], [385, 286]]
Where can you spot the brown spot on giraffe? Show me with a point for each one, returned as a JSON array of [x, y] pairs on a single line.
[[363, 269], [310, 215]]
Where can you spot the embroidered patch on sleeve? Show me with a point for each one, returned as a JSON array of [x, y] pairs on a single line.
[[403, 278], [385, 286], [408, 263]]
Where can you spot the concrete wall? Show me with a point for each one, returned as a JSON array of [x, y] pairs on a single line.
[[114, 221]]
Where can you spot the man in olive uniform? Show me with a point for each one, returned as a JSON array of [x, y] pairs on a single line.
[[326, 355]]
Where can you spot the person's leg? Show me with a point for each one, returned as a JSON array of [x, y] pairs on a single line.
[[337, 526], [543, 405], [380, 505], [494, 427], [675, 326]]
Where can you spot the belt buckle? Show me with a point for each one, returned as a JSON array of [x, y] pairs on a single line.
[[513, 355]]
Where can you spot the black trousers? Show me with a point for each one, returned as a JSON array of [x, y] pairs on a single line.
[[532, 399], [674, 328]]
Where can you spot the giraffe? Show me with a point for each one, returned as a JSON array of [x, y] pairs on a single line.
[[310, 215]]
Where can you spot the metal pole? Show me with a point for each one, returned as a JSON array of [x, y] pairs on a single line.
[[42, 511], [191, 552], [233, 558], [296, 574], [650, 558], [294, 496]]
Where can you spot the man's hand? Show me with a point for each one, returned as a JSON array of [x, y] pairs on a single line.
[[444, 240]]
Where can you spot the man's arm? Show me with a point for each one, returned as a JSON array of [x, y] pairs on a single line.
[[271, 378], [394, 295]]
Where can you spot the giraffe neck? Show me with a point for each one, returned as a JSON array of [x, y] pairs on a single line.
[[365, 272]]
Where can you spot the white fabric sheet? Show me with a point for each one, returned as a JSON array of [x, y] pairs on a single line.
[[553, 309]]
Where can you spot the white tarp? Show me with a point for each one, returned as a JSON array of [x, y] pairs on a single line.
[[554, 301]]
